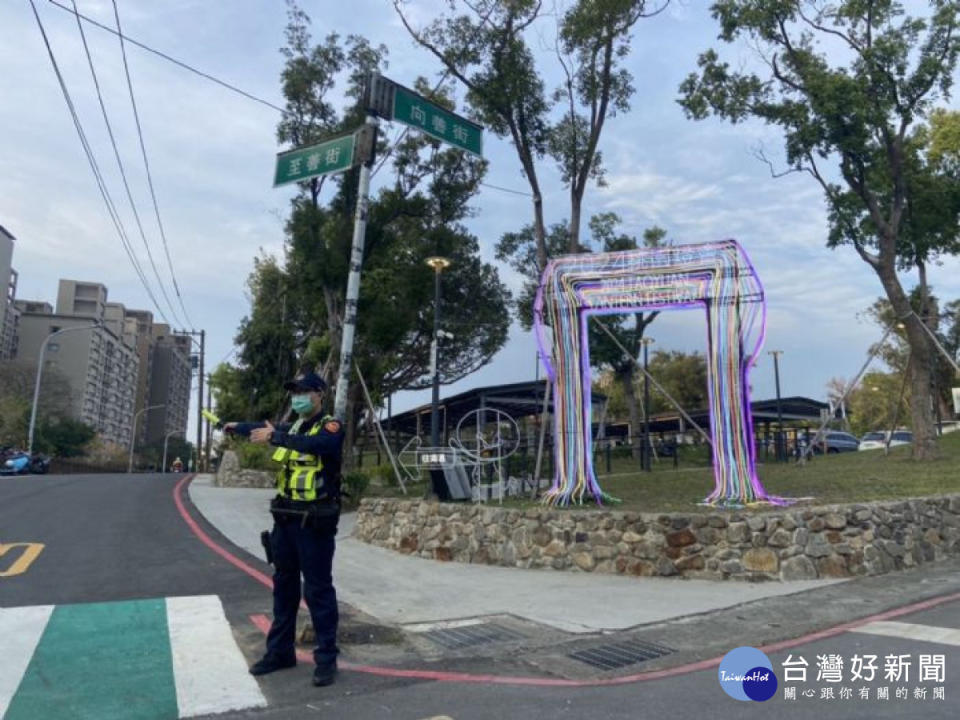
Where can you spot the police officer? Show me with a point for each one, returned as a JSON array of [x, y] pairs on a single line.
[[305, 514]]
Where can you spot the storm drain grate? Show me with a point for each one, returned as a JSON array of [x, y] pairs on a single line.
[[618, 655], [471, 635]]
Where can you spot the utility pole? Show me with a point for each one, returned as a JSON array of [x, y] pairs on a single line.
[[780, 439], [206, 458], [353, 279], [200, 364], [439, 264], [203, 336], [645, 455]]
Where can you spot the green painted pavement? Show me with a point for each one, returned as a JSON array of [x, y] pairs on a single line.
[[100, 662]]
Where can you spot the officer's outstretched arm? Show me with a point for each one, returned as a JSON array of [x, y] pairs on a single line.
[[245, 428], [329, 441]]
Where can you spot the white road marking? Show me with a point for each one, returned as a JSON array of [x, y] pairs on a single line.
[[209, 670], [20, 632], [912, 631]]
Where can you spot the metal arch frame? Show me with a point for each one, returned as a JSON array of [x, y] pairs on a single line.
[[719, 279]]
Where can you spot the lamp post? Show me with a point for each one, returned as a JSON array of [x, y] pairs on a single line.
[[780, 439], [133, 432], [439, 264], [645, 455], [172, 432], [36, 384]]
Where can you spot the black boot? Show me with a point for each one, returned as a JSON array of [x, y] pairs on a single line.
[[324, 675], [269, 664]]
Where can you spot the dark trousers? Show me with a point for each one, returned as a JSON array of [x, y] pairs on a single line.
[[306, 550]]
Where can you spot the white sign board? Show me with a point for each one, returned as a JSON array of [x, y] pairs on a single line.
[[956, 400]]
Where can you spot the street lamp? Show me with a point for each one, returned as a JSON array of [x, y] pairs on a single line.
[[172, 432], [645, 454], [439, 264], [36, 384], [133, 432], [781, 439]]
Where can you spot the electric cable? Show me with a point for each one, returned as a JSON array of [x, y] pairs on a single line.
[[98, 177], [123, 173], [146, 163]]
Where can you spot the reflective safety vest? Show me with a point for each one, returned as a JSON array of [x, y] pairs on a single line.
[[297, 479]]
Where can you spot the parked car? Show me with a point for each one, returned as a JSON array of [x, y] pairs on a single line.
[[878, 439], [836, 442]]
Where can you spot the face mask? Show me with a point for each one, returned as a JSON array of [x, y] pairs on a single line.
[[302, 404]]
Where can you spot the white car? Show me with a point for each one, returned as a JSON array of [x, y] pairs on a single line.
[[877, 440]]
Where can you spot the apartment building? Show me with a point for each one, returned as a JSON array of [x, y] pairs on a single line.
[[9, 315], [99, 366], [115, 370], [170, 379]]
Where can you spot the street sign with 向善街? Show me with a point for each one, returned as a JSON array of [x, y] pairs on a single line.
[[330, 156], [414, 110]]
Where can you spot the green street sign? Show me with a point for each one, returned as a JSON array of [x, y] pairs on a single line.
[[416, 111], [330, 156]]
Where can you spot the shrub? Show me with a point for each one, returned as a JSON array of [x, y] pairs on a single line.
[[255, 457], [356, 483], [384, 475]]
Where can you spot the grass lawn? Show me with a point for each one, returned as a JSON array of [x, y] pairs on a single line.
[[842, 478]]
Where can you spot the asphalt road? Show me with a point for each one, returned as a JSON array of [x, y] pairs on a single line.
[[113, 538]]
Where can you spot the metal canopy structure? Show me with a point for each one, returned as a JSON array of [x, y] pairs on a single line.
[[794, 409], [519, 400]]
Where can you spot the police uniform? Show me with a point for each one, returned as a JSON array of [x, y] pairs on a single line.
[[305, 511]]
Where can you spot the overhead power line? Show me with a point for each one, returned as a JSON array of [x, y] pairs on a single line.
[[146, 163], [168, 58], [123, 173], [98, 177], [233, 88]]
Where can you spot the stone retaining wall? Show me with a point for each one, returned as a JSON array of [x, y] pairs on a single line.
[[230, 474], [784, 544]]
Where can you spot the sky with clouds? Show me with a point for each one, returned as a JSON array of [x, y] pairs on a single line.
[[212, 154]]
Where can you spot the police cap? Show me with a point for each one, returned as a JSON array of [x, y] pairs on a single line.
[[307, 382]]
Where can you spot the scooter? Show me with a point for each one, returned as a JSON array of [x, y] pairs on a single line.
[[18, 462]]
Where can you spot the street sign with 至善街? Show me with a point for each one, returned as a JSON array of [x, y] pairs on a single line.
[[330, 156], [414, 110]]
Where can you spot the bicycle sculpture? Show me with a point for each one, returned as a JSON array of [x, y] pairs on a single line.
[[484, 439], [473, 462], [715, 277]]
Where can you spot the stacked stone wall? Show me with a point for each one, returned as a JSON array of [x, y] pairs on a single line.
[[783, 544]]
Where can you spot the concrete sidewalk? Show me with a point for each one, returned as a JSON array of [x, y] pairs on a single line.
[[402, 590]]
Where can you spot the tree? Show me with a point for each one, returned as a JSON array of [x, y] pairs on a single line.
[[65, 437], [896, 353], [855, 119], [17, 380], [873, 404], [483, 45], [418, 212]]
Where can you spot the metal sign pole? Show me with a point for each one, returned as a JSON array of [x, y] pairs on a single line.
[[353, 281]]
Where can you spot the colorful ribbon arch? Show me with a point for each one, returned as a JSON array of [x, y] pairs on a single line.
[[717, 277]]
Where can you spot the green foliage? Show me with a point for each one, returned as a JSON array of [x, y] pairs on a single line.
[[297, 305], [16, 395], [873, 405], [384, 475], [356, 483], [254, 456], [63, 438], [485, 46], [859, 109]]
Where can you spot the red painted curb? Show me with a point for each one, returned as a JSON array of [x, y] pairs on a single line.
[[263, 623]]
